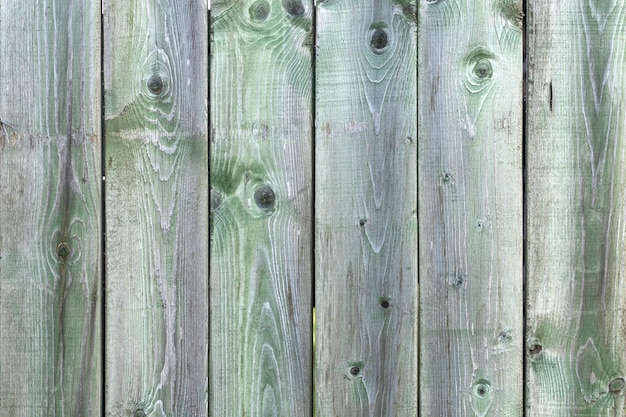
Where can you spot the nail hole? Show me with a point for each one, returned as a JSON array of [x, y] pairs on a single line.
[[155, 85], [63, 250], [355, 370], [295, 8], [362, 222], [139, 413], [447, 176], [458, 281], [504, 336], [259, 11], [616, 385], [384, 304], [264, 197]]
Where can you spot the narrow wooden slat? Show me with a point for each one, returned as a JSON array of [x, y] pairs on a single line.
[[50, 199], [576, 208], [156, 165], [470, 207], [366, 225], [260, 299]]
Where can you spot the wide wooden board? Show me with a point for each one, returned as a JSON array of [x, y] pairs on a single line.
[[261, 140], [156, 167], [50, 209], [576, 208], [365, 209], [470, 207]]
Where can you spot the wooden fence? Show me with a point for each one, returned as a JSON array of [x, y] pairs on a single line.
[[441, 179]]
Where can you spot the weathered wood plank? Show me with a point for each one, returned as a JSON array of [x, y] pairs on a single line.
[[50, 199], [260, 347], [576, 208], [366, 223], [470, 207], [156, 164]]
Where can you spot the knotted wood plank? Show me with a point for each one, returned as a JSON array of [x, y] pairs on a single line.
[[50, 209], [365, 202], [576, 208], [470, 207], [261, 174], [156, 166]]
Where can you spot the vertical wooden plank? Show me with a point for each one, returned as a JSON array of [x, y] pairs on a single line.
[[50, 199], [260, 343], [156, 163], [576, 208], [366, 223], [470, 188]]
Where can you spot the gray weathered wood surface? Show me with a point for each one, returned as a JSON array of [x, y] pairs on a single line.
[[261, 140], [156, 166], [218, 235], [576, 208], [50, 241], [365, 202], [470, 208]]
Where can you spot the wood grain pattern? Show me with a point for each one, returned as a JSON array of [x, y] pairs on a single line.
[[366, 225], [260, 303], [50, 251], [156, 162], [576, 208], [470, 207]]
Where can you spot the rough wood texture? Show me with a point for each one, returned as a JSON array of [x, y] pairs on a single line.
[[470, 194], [260, 345], [576, 208], [156, 167], [50, 252], [366, 225]]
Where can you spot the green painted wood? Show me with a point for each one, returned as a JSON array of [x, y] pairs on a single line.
[[470, 208], [576, 208], [365, 203], [156, 166], [260, 299], [50, 199]]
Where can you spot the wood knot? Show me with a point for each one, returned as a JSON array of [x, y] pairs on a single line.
[[482, 390], [155, 85], [479, 63], [483, 69], [259, 11], [616, 385], [482, 397], [264, 197], [63, 251], [378, 38], [355, 369]]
